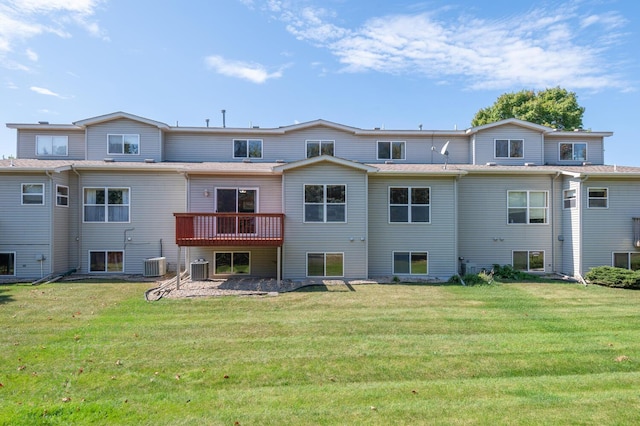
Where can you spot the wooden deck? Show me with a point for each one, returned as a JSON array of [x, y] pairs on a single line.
[[228, 229]]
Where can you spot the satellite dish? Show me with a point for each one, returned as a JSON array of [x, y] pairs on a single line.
[[444, 151]]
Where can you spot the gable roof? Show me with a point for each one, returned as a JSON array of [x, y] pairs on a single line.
[[514, 121], [117, 115], [327, 159]]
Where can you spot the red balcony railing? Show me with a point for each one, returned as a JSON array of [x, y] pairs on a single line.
[[224, 229]]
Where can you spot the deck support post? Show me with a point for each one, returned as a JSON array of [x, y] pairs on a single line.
[[178, 268], [278, 273]]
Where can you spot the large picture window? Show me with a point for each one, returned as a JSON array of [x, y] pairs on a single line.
[[106, 205], [530, 261], [123, 144], [32, 194], [630, 260], [232, 263], [325, 264], [528, 207], [391, 150], [7, 263], [317, 148], [47, 145], [325, 203], [509, 148], [409, 204], [106, 261], [573, 151], [598, 198], [247, 148], [410, 262]]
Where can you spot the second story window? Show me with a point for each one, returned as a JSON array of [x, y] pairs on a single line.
[[409, 205], [52, 145], [62, 196], [123, 144], [391, 150], [573, 151], [106, 205], [509, 148], [247, 148], [325, 203], [528, 207], [317, 148]]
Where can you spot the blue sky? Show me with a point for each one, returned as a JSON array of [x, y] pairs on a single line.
[[278, 62]]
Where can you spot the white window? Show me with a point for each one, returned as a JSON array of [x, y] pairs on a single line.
[[630, 260], [409, 204], [106, 261], [325, 264], [528, 207], [598, 198], [573, 151], [569, 198], [509, 148], [530, 261], [391, 150], [33, 194], [123, 144], [316, 148], [237, 263], [7, 263], [52, 145], [62, 195], [410, 262], [247, 148], [106, 204], [325, 203]]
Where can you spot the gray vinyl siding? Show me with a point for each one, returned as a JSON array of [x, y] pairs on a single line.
[[27, 144], [150, 140], [61, 227], [595, 152], [438, 238], [485, 237], [302, 238], [571, 233], [153, 200], [269, 191], [26, 229], [605, 231], [263, 260], [485, 149]]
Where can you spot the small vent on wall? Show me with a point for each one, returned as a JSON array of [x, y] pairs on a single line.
[[149, 160], [246, 160], [280, 161], [109, 160], [586, 163], [388, 161], [529, 164], [491, 163]]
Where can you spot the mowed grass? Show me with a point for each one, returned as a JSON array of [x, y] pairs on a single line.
[[380, 354]]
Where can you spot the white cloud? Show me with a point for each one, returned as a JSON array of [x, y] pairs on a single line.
[[540, 48], [33, 56], [255, 73], [43, 91]]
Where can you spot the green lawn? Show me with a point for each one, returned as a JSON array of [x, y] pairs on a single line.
[[381, 354]]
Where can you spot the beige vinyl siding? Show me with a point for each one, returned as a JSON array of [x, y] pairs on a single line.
[[484, 236], [269, 191], [607, 230], [302, 238], [154, 197], [150, 140], [27, 144], [26, 229], [436, 238], [570, 232], [595, 151], [485, 148], [263, 260]]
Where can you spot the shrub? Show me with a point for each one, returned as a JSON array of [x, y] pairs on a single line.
[[613, 277], [506, 272]]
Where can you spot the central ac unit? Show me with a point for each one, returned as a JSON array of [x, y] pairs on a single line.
[[155, 267], [199, 270]]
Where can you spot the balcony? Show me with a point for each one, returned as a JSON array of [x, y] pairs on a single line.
[[229, 229]]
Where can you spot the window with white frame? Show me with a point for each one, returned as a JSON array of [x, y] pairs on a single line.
[[598, 198], [325, 264], [528, 207], [123, 144], [62, 196], [410, 262], [409, 204], [106, 205], [528, 260], [569, 199], [7, 263], [627, 260], [237, 263], [575, 151], [317, 148], [106, 261], [325, 203], [509, 148], [48, 145], [33, 194], [247, 148], [391, 150]]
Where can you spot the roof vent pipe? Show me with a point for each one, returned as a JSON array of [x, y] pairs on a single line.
[[206, 120], [224, 112]]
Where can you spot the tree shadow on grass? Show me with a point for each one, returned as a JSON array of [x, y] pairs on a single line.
[[334, 287], [5, 298]]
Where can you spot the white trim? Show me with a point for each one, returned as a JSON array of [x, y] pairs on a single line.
[[324, 253], [573, 160], [232, 252], [604, 198], [508, 157], [411, 252], [106, 204], [137, 135], [391, 142], [15, 261], [248, 156], [66, 146], [319, 142], [22, 194], [63, 196], [324, 202], [544, 259], [565, 198], [409, 205], [528, 208], [106, 263]]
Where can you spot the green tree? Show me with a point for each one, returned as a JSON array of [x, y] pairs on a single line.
[[554, 107]]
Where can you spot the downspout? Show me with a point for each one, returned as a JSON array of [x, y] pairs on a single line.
[[80, 222], [581, 254], [553, 222], [51, 208], [365, 239], [456, 255]]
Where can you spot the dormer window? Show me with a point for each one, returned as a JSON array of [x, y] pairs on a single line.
[[124, 144], [391, 150], [576, 151], [247, 148], [47, 145], [509, 148]]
